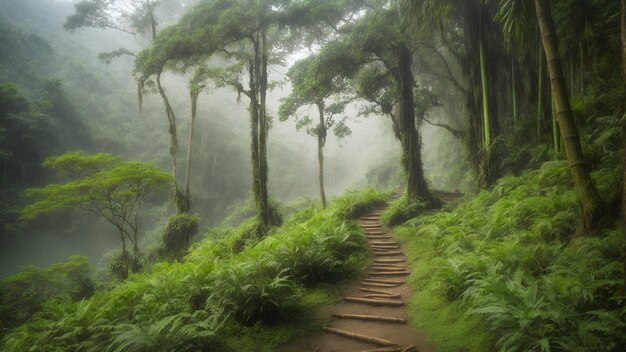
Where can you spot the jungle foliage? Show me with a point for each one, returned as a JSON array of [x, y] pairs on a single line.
[[516, 103], [213, 299], [508, 262]]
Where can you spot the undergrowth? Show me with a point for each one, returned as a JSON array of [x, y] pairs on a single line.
[[402, 210], [504, 270], [220, 297]]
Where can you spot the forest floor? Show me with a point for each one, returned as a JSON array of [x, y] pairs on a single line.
[[385, 291]]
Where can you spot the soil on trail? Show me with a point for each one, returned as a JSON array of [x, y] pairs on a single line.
[[386, 294]]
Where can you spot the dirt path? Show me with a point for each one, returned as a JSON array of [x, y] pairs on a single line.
[[385, 293]]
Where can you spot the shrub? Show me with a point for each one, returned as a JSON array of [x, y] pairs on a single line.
[[178, 233], [352, 205], [25, 293], [252, 291], [509, 259], [402, 210], [202, 302]]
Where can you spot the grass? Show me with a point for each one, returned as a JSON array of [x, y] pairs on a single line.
[[222, 296], [504, 270]]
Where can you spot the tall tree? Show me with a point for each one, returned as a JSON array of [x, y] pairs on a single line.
[[589, 197], [248, 36], [465, 30], [137, 17], [375, 55], [623, 41], [311, 86]]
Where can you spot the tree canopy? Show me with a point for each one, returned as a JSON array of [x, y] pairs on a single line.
[[101, 184]]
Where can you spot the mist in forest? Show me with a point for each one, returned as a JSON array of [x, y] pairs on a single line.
[[243, 175], [103, 98]]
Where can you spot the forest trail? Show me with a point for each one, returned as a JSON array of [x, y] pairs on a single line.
[[373, 314]]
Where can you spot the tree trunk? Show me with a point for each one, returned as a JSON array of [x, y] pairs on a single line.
[[539, 92], [486, 174], [135, 264], [321, 141], [589, 197], [411, 143], [259, 128], [623, 27], [254, 136], [152, 21], [514, 89], [194, 94], [263, 130], [581, 72], [485, 86], [172, 129], [556, 144]]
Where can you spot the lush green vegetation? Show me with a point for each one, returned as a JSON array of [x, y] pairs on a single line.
[[516, 103], [219, 298], [507, 264]]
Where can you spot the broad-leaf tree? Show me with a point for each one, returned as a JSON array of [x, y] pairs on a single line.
[[465, 30], [312, 87], [375, 55], [104, 185], [248, 36]]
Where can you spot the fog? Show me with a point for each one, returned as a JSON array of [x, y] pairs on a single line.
[[105, 96]]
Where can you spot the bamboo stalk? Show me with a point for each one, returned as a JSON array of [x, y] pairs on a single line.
[[374, 291], [370, 318], [384, 242], [374, 302], [369, 339], [409, 348], [391, 273], [381, 281]]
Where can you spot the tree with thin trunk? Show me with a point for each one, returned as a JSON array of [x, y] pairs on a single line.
[[104, 185], [247, 37], [464, 28], [137, 17], [373, 56], [623, 41], [311, 86]]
